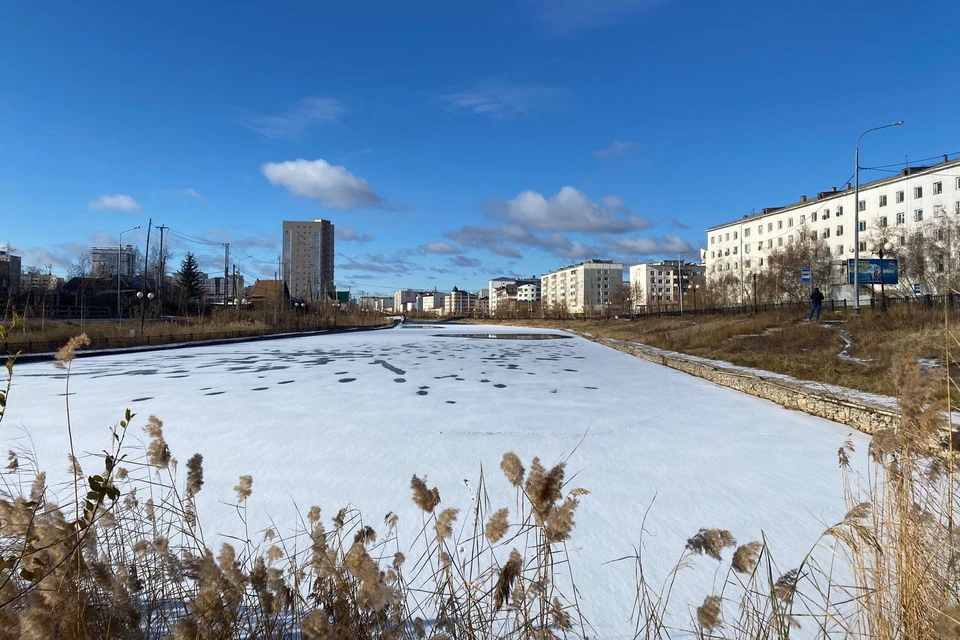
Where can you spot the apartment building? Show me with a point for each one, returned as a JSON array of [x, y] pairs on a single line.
[[39, 282], [404, 300], [460, 303], [380, 304], [581, 288], [308, 258], [659, 283], [9, 274], [513, 291], [216, 286], [105, 260], [430, 302], [917, 200]]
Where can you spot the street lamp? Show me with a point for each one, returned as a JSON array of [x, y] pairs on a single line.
[[143, 310], [856, 218], [879, 250], [119, 251]]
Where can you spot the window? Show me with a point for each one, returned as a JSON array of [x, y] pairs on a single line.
[[713, 239], [939, 261], [958, 183], [918, 215], [826, 232], [779, 242], [746, 263], [813, 217], [903, 240], [746, 248], [938, 211], [839, 211], [918, 192], [813, 235], [770, 244], [839, 229], [863, 246], [760, 229], [734, 251], [899, 197], [728, 237], [769, 226], [734, 235], [883, 222], [828, 251], [761, 262], [937, 188], [839, 249], [940, 235], [790, 239], [826, 214], [779, 224], [901, 217], [883, 201], [760, 246], [862, 205], [863, 225], [746, 233], [803, 219], [790, 220]]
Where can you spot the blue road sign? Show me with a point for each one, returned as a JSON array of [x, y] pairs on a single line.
[[916, 289], [804, 275]]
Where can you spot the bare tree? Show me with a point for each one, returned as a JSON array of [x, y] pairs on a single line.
[[781, 279]]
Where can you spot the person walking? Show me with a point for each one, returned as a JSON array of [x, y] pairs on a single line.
[[816, 301]]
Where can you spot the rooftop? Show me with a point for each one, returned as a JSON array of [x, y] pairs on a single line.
[[825, 196]]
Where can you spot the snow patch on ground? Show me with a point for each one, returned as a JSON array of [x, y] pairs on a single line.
[[330, 420]]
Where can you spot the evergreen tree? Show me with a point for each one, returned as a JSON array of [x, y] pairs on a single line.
[[190, 278]]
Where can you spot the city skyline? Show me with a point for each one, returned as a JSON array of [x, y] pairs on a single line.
[[612, 129]]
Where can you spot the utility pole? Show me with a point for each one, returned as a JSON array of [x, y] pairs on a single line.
[[143, 281], [755, 308], [163, 268], [680, 282], [236, 297], [226, 271]]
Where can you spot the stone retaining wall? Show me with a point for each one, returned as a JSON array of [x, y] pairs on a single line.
[[853, 412]]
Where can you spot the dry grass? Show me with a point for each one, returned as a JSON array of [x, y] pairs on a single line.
[[124, 556], [784, 343]]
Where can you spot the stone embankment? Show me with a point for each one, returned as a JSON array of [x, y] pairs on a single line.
[[862, 411]]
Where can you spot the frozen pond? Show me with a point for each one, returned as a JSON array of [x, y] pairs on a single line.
[[349, 418]]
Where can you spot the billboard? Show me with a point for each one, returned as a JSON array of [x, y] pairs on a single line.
[[872, 272]]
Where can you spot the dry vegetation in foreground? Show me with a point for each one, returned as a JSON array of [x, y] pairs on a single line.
[[783, 343], [122, 554]]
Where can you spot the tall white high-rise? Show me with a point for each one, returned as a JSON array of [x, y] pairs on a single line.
[[308, 258]]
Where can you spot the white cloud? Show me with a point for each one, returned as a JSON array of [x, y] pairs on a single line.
[[667, 245], [294, 123], [346, 233], [500, 100], [440, 248], [616, 148], [568, 210], [118, 201], [193, 194], [333, 185]]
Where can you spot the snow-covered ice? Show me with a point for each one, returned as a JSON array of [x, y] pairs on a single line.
[[349, 418]]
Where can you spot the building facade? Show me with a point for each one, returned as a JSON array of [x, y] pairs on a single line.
[[919, 203], [404, 300], [660, 283], [430, 302], [460, 303], [508, 293], [39, 282], [214, 287], [104, 261], [380, 304], [581, 288], [307, 259], [9, 274]]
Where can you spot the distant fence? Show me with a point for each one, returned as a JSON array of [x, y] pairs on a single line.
[[105, 342]]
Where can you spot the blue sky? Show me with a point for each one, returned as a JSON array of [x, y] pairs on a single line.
[[452, 142]]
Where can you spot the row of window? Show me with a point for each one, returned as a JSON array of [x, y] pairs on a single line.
[[825, 214]]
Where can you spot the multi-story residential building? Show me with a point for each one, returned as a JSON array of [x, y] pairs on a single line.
[[214, 287], [658, 283], [39, 282], [511, 292], [104, 261], [404, 300], [581, 288], [483, 304], [380, 304], [915, 203], [9, 274], [308, 258], [430, 302], [460, 303]]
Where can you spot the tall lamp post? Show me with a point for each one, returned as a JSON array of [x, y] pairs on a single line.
[[879, 250], [119, 252], [856, 218]]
